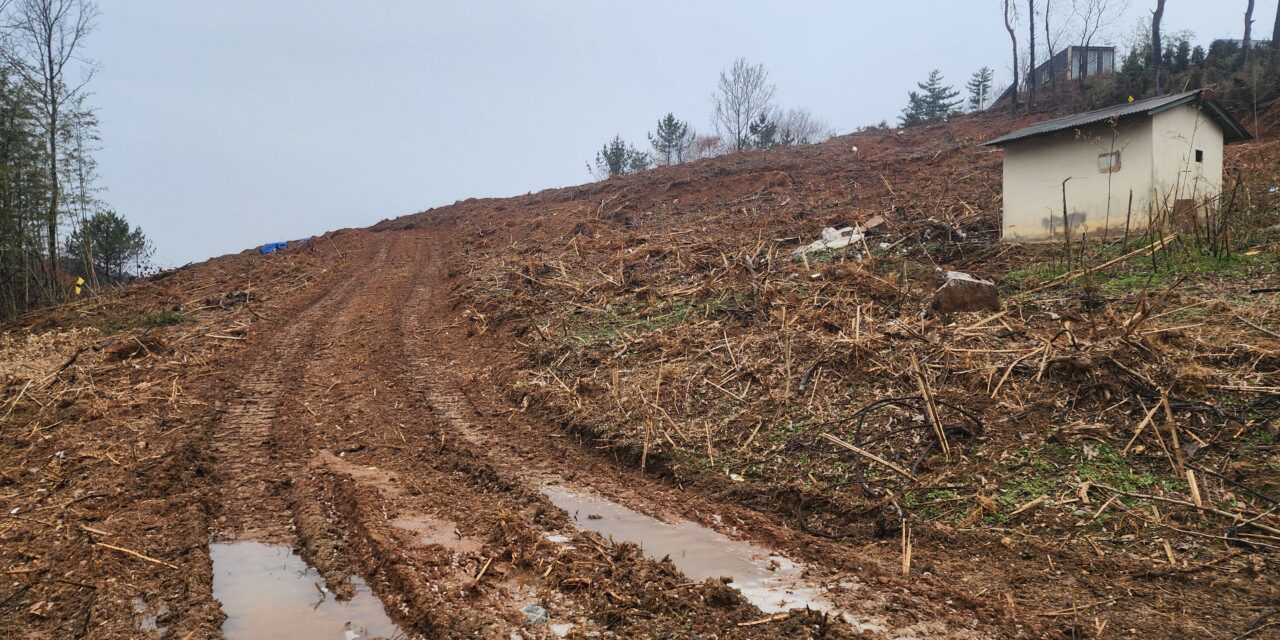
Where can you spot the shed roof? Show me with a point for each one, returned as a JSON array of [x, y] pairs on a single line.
[[1233, 131]]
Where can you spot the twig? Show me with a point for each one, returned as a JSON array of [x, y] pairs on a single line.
[[135, 554], [869, 456], [767, 619], [930, 407], [1262, 329]]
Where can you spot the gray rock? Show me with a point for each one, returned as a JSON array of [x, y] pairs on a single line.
[[960, 292]]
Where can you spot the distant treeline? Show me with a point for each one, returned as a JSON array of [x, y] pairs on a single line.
[[743, 116], [54, 226]]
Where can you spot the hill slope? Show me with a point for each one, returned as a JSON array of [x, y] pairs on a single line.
[[395, 402]]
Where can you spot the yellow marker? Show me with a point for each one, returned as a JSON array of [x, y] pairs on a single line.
[[1130, 98], [79, 283]]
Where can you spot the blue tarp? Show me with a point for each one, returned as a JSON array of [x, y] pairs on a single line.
[[272, 247]]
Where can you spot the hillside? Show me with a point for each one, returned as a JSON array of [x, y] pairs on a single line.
[[450, 406]]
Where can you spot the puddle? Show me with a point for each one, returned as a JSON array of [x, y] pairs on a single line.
[[770, 582], [267, 591], [148, 620]]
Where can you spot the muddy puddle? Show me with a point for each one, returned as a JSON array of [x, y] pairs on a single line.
[[268, 591], [770, 582]]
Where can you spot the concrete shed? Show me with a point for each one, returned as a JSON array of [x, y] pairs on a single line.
[[1165, 152]]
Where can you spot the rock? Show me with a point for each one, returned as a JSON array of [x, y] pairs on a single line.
[[962, 292], [534, 614]]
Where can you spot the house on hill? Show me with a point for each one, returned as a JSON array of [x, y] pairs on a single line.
[[1072, 63], [1115, 168]]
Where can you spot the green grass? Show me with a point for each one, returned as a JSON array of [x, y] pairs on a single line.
[[1142, 272], [162, 318], [637, 318], [1106, 466]]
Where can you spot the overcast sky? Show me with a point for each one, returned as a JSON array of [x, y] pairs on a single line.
[[233, 123]]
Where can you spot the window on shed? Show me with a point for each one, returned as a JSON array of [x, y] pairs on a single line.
[[1199, 155], [1109, 162]]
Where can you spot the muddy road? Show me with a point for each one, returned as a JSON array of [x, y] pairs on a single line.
[[349, 464], [359, 427]]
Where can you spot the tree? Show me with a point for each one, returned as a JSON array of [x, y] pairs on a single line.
[[1182, 57], [24, 276], [1248, 32], [1010, 20], [743, 95], [619, 158], [979, 87], [118, 251], [80, 173], [1051, 42], [671, 140], [935, 101], [1275, 31], [798, 126], [707, 147], [1157, 62], [45, 38], [1032, 80], [764, 131]]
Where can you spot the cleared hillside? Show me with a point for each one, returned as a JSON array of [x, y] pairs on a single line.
[[652, 339]]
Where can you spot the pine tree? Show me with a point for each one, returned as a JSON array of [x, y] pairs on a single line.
[[619, 158], [1182, 59], [671, 140], [118, 251], [764, 131], [934, 102], [979, 87]]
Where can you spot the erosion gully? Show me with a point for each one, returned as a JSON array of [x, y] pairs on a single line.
[[373, 482]]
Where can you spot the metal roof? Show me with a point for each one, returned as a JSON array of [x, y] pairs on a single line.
[[1233, 131]]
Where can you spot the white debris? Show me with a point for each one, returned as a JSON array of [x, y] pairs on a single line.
[[832, 238]]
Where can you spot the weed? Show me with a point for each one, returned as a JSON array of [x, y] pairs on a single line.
[[162, 318]]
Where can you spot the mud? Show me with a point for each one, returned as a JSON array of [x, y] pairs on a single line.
[[269, 592]]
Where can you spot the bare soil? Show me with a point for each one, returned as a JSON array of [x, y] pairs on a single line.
[[390, 402]]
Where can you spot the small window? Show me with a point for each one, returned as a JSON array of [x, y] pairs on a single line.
[[1109, 162], [1199, 155]]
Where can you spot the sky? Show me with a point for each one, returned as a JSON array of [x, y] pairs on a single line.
[[229, 124]]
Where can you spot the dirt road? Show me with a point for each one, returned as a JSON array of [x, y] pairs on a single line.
[[362, 428]]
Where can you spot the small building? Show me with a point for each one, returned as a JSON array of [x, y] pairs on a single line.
[[1072, 63], [1115, 168]]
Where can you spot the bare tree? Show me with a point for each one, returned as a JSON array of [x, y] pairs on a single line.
[[1032, 81], [1051, 38], [1157, 49], [706, 147], [1275, 31], [45, 40], [1010, 20], [1248, 32], [798, 126], [744, 94]]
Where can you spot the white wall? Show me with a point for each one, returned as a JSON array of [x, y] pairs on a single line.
[[1157, 162], [1178, 133], [1034, 171]]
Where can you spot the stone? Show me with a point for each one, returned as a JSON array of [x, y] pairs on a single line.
[[961, 292]]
